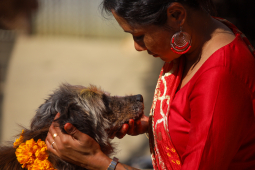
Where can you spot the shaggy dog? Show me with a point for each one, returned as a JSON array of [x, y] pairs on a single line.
[[89, 109]]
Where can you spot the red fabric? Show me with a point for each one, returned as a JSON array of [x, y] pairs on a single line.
[[169, 80], [211, 120]]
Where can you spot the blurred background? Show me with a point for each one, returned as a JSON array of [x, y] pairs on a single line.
[[48, 42]]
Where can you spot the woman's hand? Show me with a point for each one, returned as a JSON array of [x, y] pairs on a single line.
[[133, 128], [76, 147]]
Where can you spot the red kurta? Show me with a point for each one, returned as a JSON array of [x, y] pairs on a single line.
[[211, 120]]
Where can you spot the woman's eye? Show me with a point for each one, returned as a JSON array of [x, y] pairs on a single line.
[[138, 37]]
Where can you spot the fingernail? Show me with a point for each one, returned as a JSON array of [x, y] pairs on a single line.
[[131, 121], [69, 128]]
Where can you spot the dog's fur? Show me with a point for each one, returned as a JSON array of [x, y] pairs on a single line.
[[90, 110]]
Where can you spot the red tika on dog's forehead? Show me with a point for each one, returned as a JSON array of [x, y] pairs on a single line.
[[92, 90]]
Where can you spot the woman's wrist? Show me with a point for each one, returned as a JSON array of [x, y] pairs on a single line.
[[99, 161], [104, 160]]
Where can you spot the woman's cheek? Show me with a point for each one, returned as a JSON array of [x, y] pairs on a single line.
[[153, 46]]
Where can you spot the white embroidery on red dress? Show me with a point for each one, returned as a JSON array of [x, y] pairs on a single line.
[[165, 97], [164, 116]]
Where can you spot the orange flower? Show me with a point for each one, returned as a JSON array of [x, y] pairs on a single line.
[[42, 165], [25, 154], [41, 152], [19, 140], [33, 155]]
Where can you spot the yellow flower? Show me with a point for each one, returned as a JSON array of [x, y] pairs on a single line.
[[41, 152], [25, 153], [33, 155], [42, 165], [19, 140]]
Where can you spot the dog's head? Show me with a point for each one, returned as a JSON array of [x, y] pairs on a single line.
[[90, 110]]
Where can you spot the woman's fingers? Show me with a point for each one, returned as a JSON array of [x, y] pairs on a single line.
[[52, 143], [56, 117], [56, 152], [126, 129], [70, 129], [123, 131], [73, 131], [113, 135], [55, 139], [131, 130], [50, 147], [71, 147], [79, 138]]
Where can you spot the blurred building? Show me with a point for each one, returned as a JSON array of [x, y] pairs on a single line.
[[7, 39], [79, 18]]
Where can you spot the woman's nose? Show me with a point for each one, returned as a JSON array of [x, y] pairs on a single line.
[[140, 47]]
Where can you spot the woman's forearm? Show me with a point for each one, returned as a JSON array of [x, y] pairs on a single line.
[[121, 166], [102, 162]]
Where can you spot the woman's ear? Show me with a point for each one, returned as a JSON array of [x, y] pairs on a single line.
[[176, 15]]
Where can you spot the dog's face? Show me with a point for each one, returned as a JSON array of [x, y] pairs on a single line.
[[90, 110]]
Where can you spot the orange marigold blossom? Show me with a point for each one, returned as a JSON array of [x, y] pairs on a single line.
[[19, 140], [42, 165], [33, 155]]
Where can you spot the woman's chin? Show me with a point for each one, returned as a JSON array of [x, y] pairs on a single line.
[[166, 59]]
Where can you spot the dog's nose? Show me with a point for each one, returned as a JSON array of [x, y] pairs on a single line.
[[139, 98]]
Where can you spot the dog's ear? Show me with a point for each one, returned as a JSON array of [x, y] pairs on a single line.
[[44, 116], [58, 102]]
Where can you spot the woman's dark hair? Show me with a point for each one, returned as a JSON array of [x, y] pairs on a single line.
[[146, 12]]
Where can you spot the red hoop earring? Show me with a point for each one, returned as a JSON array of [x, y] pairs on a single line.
[[180, 42]]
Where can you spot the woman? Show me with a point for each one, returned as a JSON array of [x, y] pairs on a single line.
[[207, 79]]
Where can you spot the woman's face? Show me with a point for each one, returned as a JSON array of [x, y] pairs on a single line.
[[154, 39]]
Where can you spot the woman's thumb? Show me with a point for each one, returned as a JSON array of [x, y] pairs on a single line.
[[70, 129]]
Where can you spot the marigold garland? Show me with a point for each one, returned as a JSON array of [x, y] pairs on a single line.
[[32, 155], [19, 140]]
